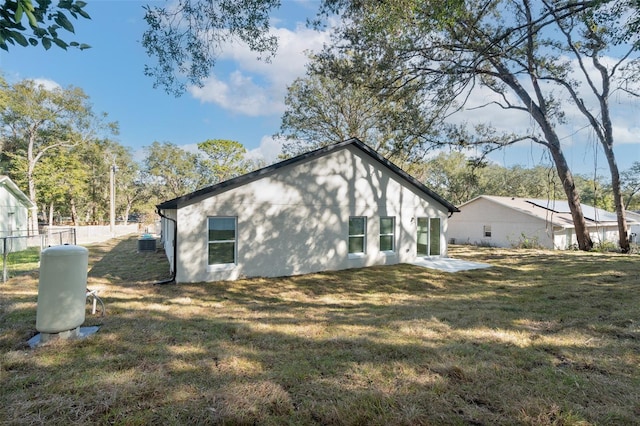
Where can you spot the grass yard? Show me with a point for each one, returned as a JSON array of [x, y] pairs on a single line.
[[544, 338], [22, 262]]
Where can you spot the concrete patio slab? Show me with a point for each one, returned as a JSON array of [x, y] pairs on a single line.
[[448, 264]]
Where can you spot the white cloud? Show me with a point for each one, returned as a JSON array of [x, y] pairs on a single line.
[[268, 150], [238, 94], [191, 147], [291, 57], [256, 87], [626, 133], [46, 83]]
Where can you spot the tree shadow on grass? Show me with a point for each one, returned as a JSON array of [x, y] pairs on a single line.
[[239, 353], [119, 262], [383, 345]]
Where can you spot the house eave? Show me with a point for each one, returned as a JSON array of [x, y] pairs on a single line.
[[13, 189]]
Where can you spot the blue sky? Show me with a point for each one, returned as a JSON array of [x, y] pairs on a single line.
[[111, 73], [244, 98]]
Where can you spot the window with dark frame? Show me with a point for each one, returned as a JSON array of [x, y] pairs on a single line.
[[222, 240], [357, 234], [487, 231], [387, 234]]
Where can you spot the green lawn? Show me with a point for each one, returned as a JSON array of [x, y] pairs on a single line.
[[545, 338], [21, 262]]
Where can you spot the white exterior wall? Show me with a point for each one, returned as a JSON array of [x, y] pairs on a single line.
[[507, 226], [295, 221], [13, 221], [605, 233], [167, 235], [633, 222], [566, 238], [13, 214]]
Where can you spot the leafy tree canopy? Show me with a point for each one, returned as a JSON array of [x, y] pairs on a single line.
[[186, 37], [37, 123], [631, 185], [224, 159], [324, 107], [25, 23], [171, 170], [529, 56]]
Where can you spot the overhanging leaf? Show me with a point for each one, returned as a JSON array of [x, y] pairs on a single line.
[[19, 11], [64, 22], [61, 43], [19, 38], [32, 19]]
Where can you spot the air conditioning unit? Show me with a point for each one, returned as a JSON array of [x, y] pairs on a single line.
[[146, 244]]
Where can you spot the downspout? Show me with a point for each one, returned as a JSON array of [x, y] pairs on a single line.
[[175, 251]]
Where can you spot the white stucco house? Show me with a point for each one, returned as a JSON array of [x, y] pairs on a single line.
[[14, 214], [338, 207], [506, 221], [634, 227]]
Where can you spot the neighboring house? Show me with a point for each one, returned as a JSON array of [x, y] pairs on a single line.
[[14, 215], [634, 226], [338, 207], [509, 221]]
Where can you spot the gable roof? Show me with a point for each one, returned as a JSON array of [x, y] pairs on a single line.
[[13, 189], [209, 191], [634, 215], [556, 212]]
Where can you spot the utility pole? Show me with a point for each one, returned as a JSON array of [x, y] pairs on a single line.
[[112, 193]]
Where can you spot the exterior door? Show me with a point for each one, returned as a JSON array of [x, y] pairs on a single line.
[[428, 237], [434, 236]]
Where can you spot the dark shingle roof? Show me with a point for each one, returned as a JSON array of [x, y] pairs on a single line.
[[209, 191]]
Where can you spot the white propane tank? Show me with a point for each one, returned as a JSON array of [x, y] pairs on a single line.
[[62, 288]]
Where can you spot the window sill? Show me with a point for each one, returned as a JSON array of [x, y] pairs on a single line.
[[221, 267], [388, 253], [357, 255]]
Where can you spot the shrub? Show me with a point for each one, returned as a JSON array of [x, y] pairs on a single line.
[[606, 247], [525, 242]]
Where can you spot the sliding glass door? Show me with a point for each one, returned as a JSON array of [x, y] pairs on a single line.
[[428, 238]]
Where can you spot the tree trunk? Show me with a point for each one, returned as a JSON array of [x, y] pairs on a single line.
[[31, 164], [127, 209], [623, 230], [74, 212], [50, 215], [32, 226], [540, 114], [606, 140], [573, 198]]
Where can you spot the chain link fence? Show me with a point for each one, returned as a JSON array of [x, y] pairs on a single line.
[[21, 253]]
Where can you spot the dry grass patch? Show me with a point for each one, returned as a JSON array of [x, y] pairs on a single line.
[[540, 338]]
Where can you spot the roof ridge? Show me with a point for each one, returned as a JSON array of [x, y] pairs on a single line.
[[316, 153]]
